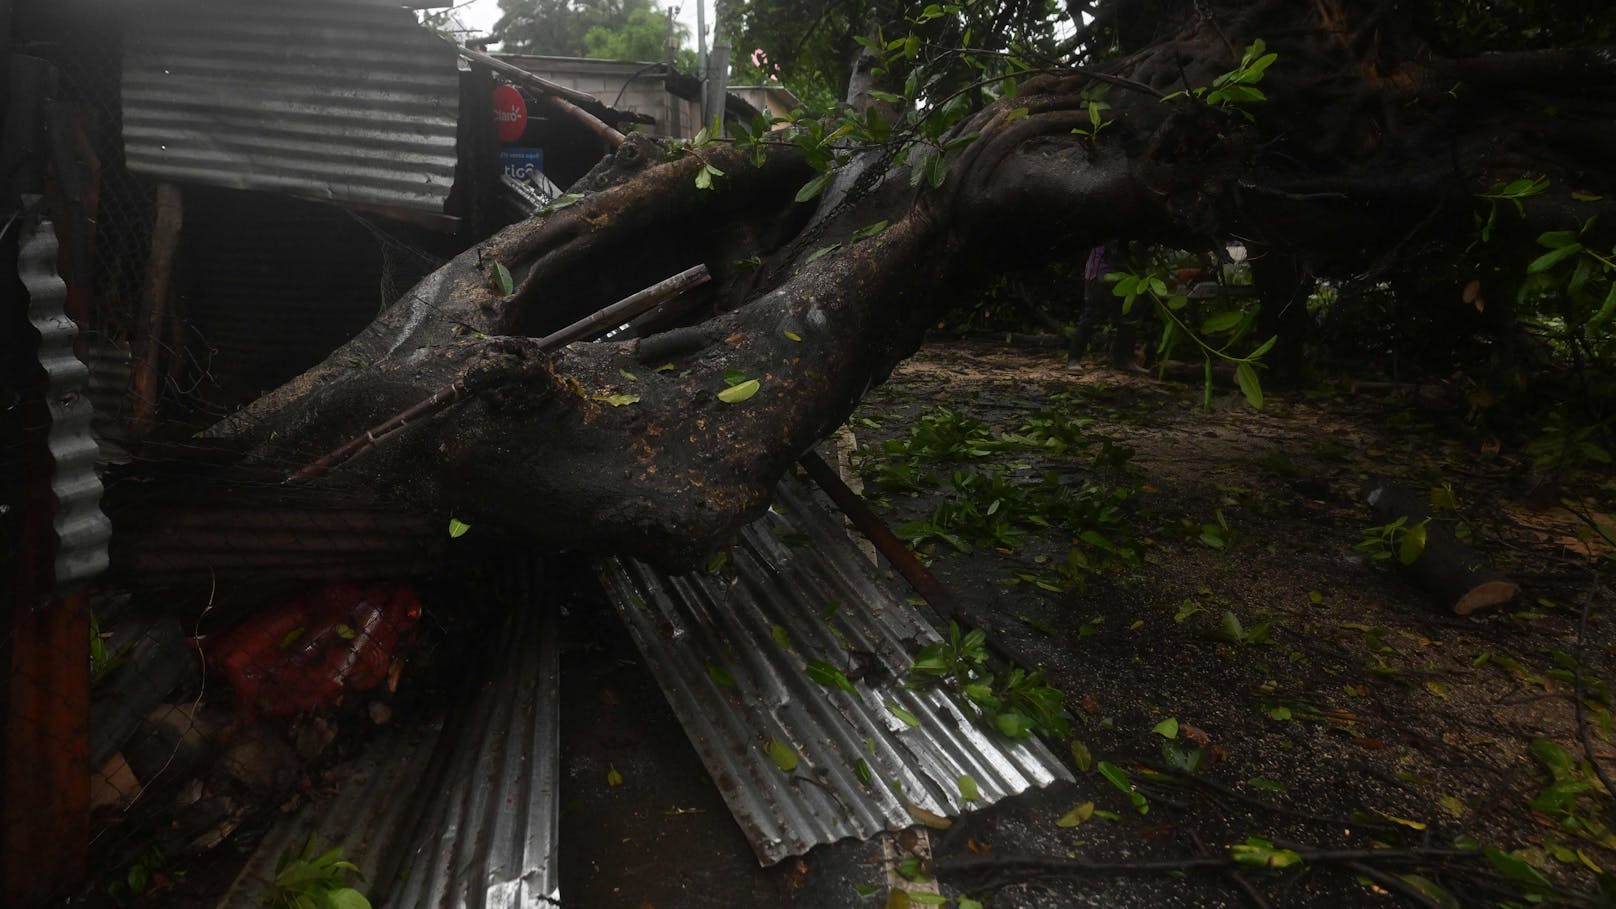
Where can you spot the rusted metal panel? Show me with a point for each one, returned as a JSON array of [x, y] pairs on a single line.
[[82, 531], [335, 100], [714, 644]]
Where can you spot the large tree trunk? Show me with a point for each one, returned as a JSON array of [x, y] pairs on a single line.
[[1360, 149]]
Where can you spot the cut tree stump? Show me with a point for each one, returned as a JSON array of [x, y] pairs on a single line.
[[1449, 570]]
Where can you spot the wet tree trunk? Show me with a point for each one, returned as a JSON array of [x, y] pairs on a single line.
[[1359, 152]]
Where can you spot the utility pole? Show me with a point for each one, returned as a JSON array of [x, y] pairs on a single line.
[[701, 55]]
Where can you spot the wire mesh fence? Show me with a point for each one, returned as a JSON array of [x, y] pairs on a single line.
[[243, 622]]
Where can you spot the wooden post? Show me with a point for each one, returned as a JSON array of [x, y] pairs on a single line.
[[154, 309]]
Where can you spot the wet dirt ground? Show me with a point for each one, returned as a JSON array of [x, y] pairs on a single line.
[[1329, 706], [1346, 712]]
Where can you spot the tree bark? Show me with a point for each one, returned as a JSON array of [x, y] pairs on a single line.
[[1347, 160]]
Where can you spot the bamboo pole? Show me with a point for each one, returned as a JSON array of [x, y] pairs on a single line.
[[154, 307], [589, 326]]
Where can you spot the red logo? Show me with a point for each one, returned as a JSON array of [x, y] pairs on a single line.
[[510, 113]]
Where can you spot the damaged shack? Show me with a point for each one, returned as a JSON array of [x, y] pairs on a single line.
[[208, 684]]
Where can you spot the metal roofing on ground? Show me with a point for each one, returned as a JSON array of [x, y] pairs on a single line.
[[711, 641], [457, 812], [488, 841], [82, 530], [335, 99]]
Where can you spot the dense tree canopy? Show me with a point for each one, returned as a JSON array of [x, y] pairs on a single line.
[[605, 29]]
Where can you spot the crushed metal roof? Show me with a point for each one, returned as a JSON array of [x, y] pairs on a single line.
[[458, 812], [368, 816], [341, 101], [713, 643], [489, 838], [82, 530]]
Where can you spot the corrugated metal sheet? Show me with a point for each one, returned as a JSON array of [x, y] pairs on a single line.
[[369, 815], [489, 840], [458, 813], [82, 531], [334, 99], [795, 569]]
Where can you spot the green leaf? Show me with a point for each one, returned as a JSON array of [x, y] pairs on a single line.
[[1555, 239], [966, 902], [1265, 784], [346, 898], [866, 890], [821, 252], [1516, 868], [502, 279], [815, 186], [1076, 816], [1261, 853], [1013, 725], [1263, 348], [1221, 322], [792, 336], [457, 528], [561, 202], [1552, 258], [908, 718], [1081, 756], [924, 898], [829, 676], [1606, 309], [720, 675], [1402, 821], [1118, 777], [1184, 760], [862, 769], [869, 230], [1250, 385], [783, 755], [735, 394], [1167, 729], [1412, 544], [618, 400], [782, 638], [613, 778], [1431, 890], [968, 789], [628, 375]]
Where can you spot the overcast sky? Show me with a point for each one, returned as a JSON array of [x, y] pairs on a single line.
[[482, 14]]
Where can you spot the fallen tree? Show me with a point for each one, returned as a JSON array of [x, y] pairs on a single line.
[[1364, 149]]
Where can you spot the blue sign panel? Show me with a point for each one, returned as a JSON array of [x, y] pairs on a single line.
[[521, 163]]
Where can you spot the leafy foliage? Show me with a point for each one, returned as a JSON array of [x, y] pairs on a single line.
[[304, 880], [1014, 701]]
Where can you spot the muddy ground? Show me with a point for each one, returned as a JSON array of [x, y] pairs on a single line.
[[1347, 712]]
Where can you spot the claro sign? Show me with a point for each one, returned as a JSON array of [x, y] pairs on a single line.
[[510, 113]]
